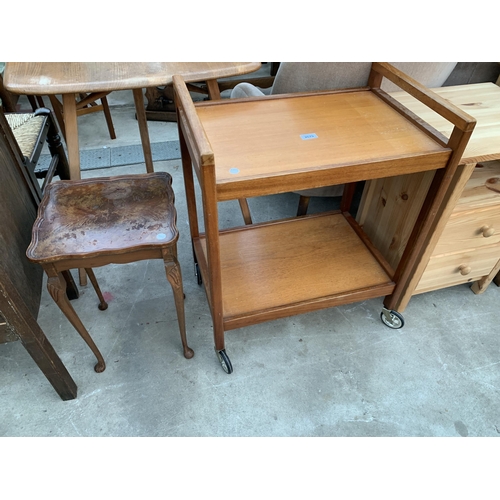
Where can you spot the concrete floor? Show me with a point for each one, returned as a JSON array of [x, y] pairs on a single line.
[[336, 372]]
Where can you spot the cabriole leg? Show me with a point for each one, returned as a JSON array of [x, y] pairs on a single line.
[[57, 289], [102, 303], [174, 277]]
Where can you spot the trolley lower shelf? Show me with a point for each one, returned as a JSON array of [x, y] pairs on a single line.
[[282, 268]]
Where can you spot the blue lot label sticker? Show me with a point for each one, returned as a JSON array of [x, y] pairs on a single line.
[[306, 137], [161, 236], [234, 170]]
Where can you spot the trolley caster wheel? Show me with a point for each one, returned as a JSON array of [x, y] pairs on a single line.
[[224, 361], [197, 273], [392, 319]]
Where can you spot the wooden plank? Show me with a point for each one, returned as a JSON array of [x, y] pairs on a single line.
[[45, 78], [264, 138], [21, 280], [18, 209], [93, 109], [34, 340], [427, 97], [389, 208], [449, 200], [187, 168], [327, 175], [306, 306], [90, 100], [389, 270], [213, 252], [196, 136], [200, 249], [274, 265], [421, 124], [482, 101], [276, 97]]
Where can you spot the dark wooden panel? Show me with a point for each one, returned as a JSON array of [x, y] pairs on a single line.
[[17, 214], [20, 280]]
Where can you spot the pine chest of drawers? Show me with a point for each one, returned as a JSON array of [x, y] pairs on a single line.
[[468, 249]]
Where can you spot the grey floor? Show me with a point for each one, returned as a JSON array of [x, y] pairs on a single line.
[[336, 372]]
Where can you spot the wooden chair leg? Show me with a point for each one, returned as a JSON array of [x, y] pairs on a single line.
[[82, 275], [57, 290], [103, 305], [303, 205], [107, 115], [33, 102], [36, 102], [245, 211], [71, 288], [57, 107], [174, 277], [56, 147], [213, 90], [39, 100]]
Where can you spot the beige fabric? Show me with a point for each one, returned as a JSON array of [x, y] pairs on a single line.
[[430, 74], [308, 76], [303, 77]]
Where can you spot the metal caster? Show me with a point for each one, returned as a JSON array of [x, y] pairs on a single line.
[[197, 273], [224, 361], [392, 319]]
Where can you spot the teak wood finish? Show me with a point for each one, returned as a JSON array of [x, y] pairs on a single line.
[[107, 220], [456, 252], [252, 147]]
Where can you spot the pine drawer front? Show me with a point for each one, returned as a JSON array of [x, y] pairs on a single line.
[[482, 189], [462, 267], [467, 230]]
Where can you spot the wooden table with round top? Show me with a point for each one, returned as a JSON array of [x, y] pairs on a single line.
[[72, 78]]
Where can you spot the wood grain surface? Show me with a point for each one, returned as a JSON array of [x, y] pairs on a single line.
[[44, 78]]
